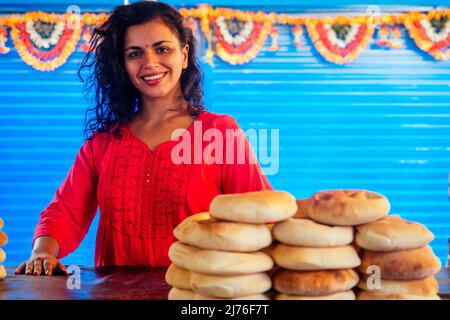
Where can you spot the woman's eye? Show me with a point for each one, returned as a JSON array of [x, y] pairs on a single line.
[[162, 49], [134, 54]]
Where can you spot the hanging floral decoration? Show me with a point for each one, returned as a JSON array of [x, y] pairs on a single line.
[[89, 22], [297, 32], [431, 32], [240, 35], [340, 40], [274, 35], [389, 37], [3, 48], [46, 40]]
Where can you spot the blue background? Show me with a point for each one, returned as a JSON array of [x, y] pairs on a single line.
[[380, 123]]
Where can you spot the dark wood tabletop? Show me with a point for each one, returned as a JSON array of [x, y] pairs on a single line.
[[113, 283], [110, 283]]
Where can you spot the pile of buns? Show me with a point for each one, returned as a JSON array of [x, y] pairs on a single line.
[[405, 262], [337, 244], [219, 254], [3, 241]]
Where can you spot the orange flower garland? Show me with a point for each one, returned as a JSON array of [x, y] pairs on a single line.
[[359, 32], [37, 58], [421, 31], [339, 40]]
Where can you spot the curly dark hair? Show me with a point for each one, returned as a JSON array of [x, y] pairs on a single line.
[[116, 99]]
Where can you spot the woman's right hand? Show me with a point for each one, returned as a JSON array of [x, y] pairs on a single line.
[[41, 263], [43, 259]]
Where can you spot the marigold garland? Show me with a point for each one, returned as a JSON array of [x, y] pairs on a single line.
[[422, 32], [356, 32], [339, 40]]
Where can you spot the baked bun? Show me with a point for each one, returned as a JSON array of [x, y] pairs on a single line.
[[254, 207], [2, 255], [345, 295], [3, 239], [307, 233], [425, 287], [392, 233], [2, 272], [303, 258], [412, 264], [178, 277], [215, 262], [259, 296], [347, 207], [364, 295], [201, 231], [314, 283], [302, 208], [230, 286], [181, 294]]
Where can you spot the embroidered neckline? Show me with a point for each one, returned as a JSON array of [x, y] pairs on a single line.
[[131, 134]]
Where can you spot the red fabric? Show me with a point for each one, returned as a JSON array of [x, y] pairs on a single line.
[[142, 194]]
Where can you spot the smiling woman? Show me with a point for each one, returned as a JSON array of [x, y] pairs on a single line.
[[147, 85]]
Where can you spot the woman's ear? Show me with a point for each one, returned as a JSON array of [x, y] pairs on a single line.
[[185, 56]]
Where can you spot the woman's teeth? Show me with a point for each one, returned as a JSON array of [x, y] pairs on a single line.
[[155, 77]]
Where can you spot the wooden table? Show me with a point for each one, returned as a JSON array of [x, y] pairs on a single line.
[[113, 283]]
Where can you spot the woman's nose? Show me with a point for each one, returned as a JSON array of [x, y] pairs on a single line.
[[151, 58]]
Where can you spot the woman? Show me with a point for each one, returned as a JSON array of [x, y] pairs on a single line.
[[147, 85]]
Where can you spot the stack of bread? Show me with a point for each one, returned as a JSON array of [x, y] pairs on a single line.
[[402, 258], [315, 255], [221, 254], [3, 241]]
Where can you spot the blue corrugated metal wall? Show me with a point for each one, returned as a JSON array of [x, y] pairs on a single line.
[[379, 123]]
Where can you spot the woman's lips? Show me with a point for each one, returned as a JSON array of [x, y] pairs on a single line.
[[153, 79]]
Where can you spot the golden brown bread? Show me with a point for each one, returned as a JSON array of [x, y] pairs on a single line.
[[2, 256], [2, 272], [230, 286], [412, 264], [178, 277], [3, 239], [314, 283], [347, 207], [392, 233], [216, 262], [344, 295], [364, 295], [203, 232], [254, 207], [307, 233], [305, 258], [424, 287]]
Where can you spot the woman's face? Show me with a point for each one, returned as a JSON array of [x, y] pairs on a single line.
[[154, 59]]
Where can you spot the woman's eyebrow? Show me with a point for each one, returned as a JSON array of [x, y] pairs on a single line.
[[153, 45]]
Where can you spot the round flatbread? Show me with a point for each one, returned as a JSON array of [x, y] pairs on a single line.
[[203, 232], [303, 258], [307, 233], [347, 207], [314, 283], [230, 286], [346, 295], [254, 207], [215, 262], [392, 233], [412, 264], [178, 277]]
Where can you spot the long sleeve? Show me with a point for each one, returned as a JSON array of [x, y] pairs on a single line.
[[68, 216], [243, 173]]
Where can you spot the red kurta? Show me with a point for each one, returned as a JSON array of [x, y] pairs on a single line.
[[142, 194]]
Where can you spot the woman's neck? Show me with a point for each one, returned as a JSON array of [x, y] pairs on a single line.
[[154, 111]]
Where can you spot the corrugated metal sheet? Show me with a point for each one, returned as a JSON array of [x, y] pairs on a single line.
[[380, 123]]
